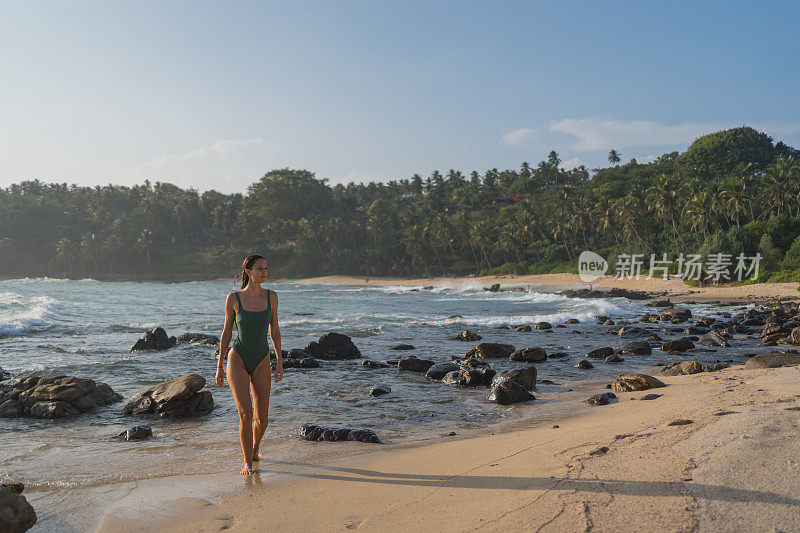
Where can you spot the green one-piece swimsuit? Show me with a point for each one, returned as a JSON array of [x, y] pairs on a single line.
[[251, 327]]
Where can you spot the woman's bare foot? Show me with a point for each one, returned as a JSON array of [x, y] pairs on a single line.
[[257, 456], [247, 470]]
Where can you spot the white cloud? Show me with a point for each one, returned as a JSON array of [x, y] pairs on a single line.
[[592, 133], [570, 163], [227, 165], [518, 137]]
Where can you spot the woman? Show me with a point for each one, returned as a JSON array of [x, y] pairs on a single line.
[[254, 310]]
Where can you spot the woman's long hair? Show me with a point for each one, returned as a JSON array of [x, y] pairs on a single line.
[[247, 264]]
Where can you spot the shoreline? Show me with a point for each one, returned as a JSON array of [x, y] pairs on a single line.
[[674, 289], [652, 475]]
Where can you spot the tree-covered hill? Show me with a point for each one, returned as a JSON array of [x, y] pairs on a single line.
[[732, 191]]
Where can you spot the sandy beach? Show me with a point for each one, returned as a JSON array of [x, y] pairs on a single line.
[[673, 288], [734, 467]]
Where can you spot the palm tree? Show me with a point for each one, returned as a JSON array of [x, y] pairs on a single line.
[[614, 157], [553, 161]]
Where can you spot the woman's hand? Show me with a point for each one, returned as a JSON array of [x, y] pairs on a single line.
[[279, 371], [219, 377]]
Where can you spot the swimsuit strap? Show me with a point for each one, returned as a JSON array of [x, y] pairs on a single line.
[[238, 300]]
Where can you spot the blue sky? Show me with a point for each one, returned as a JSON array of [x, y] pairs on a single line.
[[214, 94]]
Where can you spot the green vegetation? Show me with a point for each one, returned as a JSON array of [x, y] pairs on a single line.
[[733, 191]]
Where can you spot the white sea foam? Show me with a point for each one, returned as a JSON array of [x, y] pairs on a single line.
[[20, 315]]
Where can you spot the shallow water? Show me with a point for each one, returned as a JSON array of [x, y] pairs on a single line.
[[85, 328]]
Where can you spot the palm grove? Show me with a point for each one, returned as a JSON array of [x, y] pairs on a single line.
[[733, 191]]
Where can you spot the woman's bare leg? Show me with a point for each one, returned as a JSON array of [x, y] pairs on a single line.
[[239, 382], [260, 385]]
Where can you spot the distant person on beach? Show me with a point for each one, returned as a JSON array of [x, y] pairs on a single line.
[[254, 311]]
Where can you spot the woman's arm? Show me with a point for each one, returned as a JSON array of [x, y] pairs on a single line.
[[275, 334], [224, 342]]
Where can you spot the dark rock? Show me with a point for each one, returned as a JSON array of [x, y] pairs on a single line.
[[295, 362], [414, 364], [402, 347], [490, 350], [615, 292], [438, 370], [651, 396], [600, 451], [614, 358], [681, 422], [632, 331], [4, 374], [199, 338], [557, 355], [374, 364], [302, 314], [544, 325], [584, 364], [507, 392], [469, 376], [451, 317], [659, 303], [767, 360], [379, 390], [713, 338], [136, 433], [678, 345], [155, 339], [331, 434], [16, 514], [492, 288], [467, 335], [572, 321], [695, 330], [675, 314], [333, 346], [682, 368], [52, 396], [600, 353], [609, 322], [636, 382], [602, 399], [524, 376], [179, 397], [706, 321], [16, 488], [296, 353], [528, 355], [635, 348], [522, 328]]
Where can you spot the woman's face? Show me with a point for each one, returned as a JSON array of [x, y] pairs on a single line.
[[259, 271]]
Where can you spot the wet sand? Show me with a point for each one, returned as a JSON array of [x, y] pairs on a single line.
[[721, 472]]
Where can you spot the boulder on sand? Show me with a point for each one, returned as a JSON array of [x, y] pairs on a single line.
[[179, 397], [333, 346], [136, 433], [52, 396], [636, 382], [773, 360], [678, 345], [602, 399], [16, 514], [471, 373], [491, 350], [155, 339]]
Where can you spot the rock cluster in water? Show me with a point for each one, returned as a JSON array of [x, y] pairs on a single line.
[[179, 397], [333, 346], [52, 396], [155, 339]]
